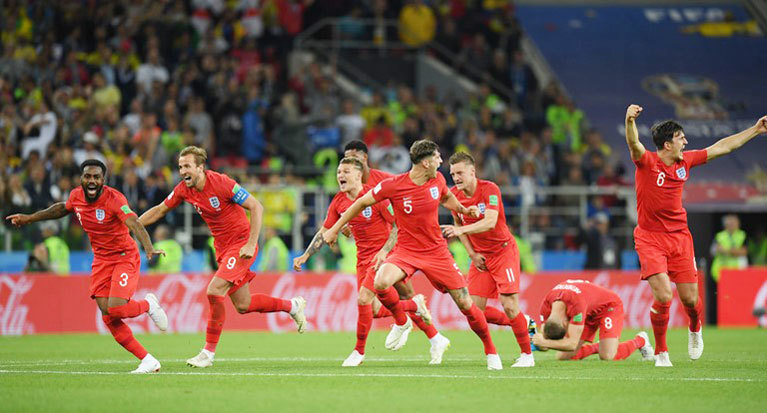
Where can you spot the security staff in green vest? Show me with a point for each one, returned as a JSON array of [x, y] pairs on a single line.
[[757, 248], [460, 255], [169, 263], [274, 256], [210, 255], [729, 247], [56, 249], [526, 259]]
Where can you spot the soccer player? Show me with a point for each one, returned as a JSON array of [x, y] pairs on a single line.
[[375, 237], [493, 251], [573, 311], [106, 217], [222, 202], [663, 240], [415, 197]]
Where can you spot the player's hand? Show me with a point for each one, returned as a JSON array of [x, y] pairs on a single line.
[[248, 251], [633, 112], [479, 261], [150, 254], [329, 237], [450, 231], [761, 125], [538, 340], [346, 231], [473, 211], [18, 220], [379, 259], [299, 261]]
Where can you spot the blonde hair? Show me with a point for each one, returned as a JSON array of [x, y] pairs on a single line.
[[200, 155]]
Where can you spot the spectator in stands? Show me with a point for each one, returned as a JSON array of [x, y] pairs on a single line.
[[601, 249], [39, 130], [417, 24], [729, 247], [39, 188], [170, 263], [91, 149], [19, 197], [151, 71], [375, 110], [350, 122], [275, 254], [448, 36], [379, 135], [566, 122], [522, 81]]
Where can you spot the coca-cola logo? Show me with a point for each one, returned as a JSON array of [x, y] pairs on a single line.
[[179, 296], [13, 314], [330, 306]]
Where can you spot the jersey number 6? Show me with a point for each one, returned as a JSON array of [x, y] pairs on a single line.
[[661, 179]]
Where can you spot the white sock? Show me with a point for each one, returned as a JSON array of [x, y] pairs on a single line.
[[293, 306], [208, 353], [148, 357], [434, 340]]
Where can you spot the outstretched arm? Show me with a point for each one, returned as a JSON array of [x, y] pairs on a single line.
[[485, 224], [54, 211], [726, 145], [139, 231], [256, 210], [450, 202], [365, 201], [312, 249], [632, 134], [153, 214]]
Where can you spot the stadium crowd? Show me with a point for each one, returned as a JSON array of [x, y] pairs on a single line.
[[133, 82]]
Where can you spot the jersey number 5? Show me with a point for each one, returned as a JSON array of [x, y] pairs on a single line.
[[408, 205], [661, 179]]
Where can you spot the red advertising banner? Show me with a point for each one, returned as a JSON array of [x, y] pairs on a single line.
[[31, 304], [740, 293]]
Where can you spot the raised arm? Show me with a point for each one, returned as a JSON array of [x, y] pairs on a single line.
[[153, 214], [632, 134], [54, 211], [139, 232], [330, 235], [726, 145]]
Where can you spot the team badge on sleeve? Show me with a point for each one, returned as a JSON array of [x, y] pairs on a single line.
[[367, 212], [681, 173], [481, 207], [126, 210], [100, 214], [214, 202], [434, 191]]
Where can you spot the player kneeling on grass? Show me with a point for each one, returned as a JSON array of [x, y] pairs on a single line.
[[221, 203], [106, 217], [375, 237], [573, 311]]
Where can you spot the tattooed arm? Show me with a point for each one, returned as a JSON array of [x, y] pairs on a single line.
[[54, 211], [313, 247], [386, 249]]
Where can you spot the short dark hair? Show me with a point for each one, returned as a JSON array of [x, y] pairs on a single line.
[[461, 157], [422, 149], [352, 161], [664, 131], [356, 145], [553, 331], [93, 162]]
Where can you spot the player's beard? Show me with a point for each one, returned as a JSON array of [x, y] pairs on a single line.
[[99, 189]]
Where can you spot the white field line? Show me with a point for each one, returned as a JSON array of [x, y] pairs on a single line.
[[393, 375], [53, 362]]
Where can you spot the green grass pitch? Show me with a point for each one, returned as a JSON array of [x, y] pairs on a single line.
[[291, 372]]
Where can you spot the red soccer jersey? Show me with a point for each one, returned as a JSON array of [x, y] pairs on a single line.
[[659, 190], [103, 221], [415, 211], [219, 205], [486, 196], [370, 228], [585, 301], [376, 176]]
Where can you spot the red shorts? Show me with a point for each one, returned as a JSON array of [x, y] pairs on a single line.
[[672, 253], [439, 267], [502, 275], [115, 276], [610, 324], [234, 269]]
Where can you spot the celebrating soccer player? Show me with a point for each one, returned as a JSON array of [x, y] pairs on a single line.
[[573, 311], [663, 240], [106, 217], [415, 197], [375, 237], [493, 251], [222, 202]]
